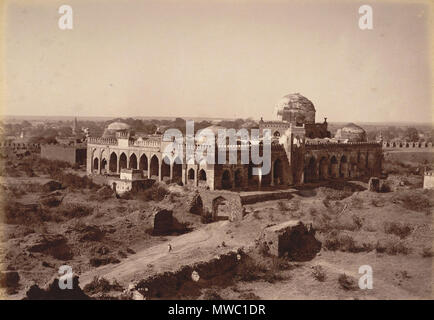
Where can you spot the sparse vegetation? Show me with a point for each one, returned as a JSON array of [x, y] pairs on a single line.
[[101, 285], [347, 283], [318, 273], [401, 230]]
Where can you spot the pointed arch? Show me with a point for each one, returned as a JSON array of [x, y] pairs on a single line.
[[113, 163], [154, 166], [123, 162], [133, 161]]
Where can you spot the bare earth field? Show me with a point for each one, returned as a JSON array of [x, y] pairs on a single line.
[[108, 240]]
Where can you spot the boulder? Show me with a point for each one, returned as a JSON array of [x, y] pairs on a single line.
[[291, 238], [52, 244], [51, 185], [105, 192], [163, 222], [52, 199]]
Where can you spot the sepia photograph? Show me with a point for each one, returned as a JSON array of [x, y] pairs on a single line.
[[250, 151]]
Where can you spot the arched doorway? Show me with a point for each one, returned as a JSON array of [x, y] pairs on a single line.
[[143, 163], [310, 170], [238, 178], [190, 175], [122, 161], [113, 165], [343, 167], [133, 161], [177, 170], [165, 168], [104, 165], [202, 175], [323, 168], [333, 168], [278, 172], [226, 180], [154, 167], [95, 163]]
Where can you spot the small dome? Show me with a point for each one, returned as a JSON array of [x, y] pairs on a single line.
[[352, 133], [116, 126], [353, 128]]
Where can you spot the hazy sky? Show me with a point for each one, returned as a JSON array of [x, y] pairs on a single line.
[[218, 58]]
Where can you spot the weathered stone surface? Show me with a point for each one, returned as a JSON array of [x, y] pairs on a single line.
[[379, 185], [163, 222], [52, 244], [53, 292], [51, 185], [9, 279], [51, 200], [196, 204], [291, 238], [374, 184], [105, 192]]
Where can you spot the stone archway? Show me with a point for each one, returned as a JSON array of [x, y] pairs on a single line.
[[343, 167], [238, 178], [226, 180], [154, 167], [113, 164], [177, 170], [278, 172], [190, 175], [103, 164], [95, 163], [333, 167], [143, 163], [310, 170], [165, 168], [202, 175], [323, 168], [133, 161], [123, 162]]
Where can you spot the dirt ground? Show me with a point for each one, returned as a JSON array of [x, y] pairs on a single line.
[[100, 235]]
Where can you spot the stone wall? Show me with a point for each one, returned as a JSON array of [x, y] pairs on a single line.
[[70, 154]]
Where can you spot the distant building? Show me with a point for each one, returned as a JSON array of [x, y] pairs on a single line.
[[428, 179], [129, 180]]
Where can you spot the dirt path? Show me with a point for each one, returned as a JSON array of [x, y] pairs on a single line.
[[199, 245]]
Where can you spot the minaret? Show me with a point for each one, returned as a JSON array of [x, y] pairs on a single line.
[[74, 126]]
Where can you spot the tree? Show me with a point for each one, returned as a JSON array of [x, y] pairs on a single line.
[[411, 134]]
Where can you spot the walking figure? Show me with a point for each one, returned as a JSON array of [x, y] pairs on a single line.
[[169, 246]]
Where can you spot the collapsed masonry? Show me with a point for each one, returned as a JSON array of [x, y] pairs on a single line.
[[293, 239]]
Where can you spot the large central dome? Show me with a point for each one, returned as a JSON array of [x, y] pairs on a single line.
[[295, 108]]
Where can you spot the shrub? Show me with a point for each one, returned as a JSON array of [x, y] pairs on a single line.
[[75, 210], [392, 247], [343, 242], [318, 273], [401, 230], [156, 192], [101, 285], [346, 283]]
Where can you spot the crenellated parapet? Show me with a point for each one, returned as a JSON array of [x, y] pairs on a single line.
[[330, 145], [103, 141], [404, 144]]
